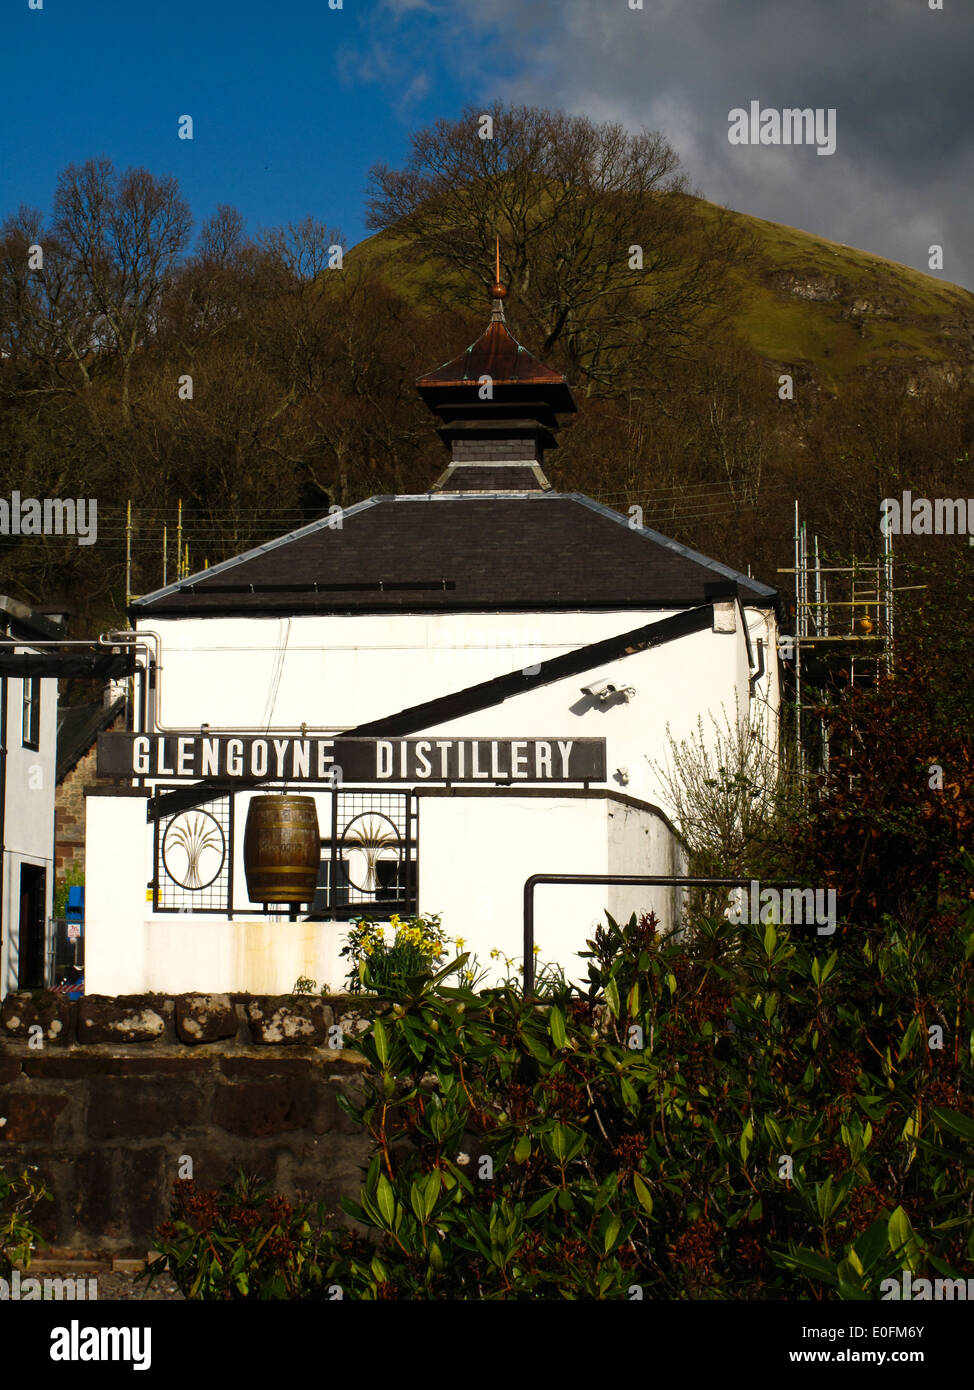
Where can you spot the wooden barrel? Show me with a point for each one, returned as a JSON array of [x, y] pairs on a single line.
[[281, 849]]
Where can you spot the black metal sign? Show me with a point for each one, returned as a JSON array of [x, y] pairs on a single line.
[[249, 758]]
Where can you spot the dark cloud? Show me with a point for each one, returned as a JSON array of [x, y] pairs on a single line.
[[896, 72]]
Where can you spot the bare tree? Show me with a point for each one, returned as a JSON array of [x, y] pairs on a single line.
[[123, 235], [46, 318], [303, 249], [569, 199]]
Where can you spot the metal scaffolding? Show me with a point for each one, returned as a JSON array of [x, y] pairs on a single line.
[[853, 624]]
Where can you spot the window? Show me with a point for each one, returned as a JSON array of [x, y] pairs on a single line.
[[32, 712]]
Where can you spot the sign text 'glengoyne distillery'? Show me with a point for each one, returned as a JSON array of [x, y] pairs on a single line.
[[245, 758]]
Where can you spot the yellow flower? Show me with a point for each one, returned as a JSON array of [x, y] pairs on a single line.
[[460, 943], [537, 950], [395, 919], [494, 953]]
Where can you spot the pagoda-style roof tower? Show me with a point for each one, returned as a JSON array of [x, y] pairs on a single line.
[[490, 536], [498, 408]]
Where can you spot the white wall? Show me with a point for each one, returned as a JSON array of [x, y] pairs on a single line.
[[28, 830], [475, 853], [640, 843], [129, 950], [338, 672]]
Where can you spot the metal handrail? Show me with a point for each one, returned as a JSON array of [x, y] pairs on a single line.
[[644, 880]]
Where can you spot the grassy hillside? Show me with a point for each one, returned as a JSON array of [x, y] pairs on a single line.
[[829, 311]]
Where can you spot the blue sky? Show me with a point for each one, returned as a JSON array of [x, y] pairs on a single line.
[[293, 101]]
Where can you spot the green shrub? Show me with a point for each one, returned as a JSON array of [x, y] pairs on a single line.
[[74, 876], [751, 1113], [240, 1243], [374, 962], [640, 1132], [19, 1195]]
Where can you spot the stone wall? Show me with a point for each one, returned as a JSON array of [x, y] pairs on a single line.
[[109, 1097]]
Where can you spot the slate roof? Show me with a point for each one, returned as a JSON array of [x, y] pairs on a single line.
[[462, 552]]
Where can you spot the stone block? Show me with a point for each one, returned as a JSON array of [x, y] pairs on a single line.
[[204, 1018], [289, 1020], [144, 1194], [96, 1196], [253, 1068], [29, 1119], [127, 1018], [78, 1065], [23, 1010], [255, 1109], [120, 1110]]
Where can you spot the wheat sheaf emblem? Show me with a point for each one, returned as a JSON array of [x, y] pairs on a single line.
[[194, 835]]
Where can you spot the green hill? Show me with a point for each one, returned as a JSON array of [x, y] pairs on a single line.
[[826, 311]]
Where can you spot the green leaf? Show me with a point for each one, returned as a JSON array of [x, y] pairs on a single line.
[[522, 1149], [611, 1232], [386, 1199], [629, 1094], [431, 1192], [381, 1041], [612, 997], [909, 1037], [537, 1049], [902, 1239], [808, 1262], [556, 1026], [643, 1194], [543, 1202], [872, 1245], [953, 1121]]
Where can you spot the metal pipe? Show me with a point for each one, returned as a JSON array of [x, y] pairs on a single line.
[[643, 880]]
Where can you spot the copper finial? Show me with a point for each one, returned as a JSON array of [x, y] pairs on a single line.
[[497, 290]]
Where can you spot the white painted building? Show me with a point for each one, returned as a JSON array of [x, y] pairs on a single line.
[[28, 745], [493, 666]]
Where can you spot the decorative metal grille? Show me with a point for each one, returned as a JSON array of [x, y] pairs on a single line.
[[369, 857], [370, 860], [194, 859]]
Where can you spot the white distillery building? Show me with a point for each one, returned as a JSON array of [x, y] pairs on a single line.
[[28, 747], [472, 683]]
